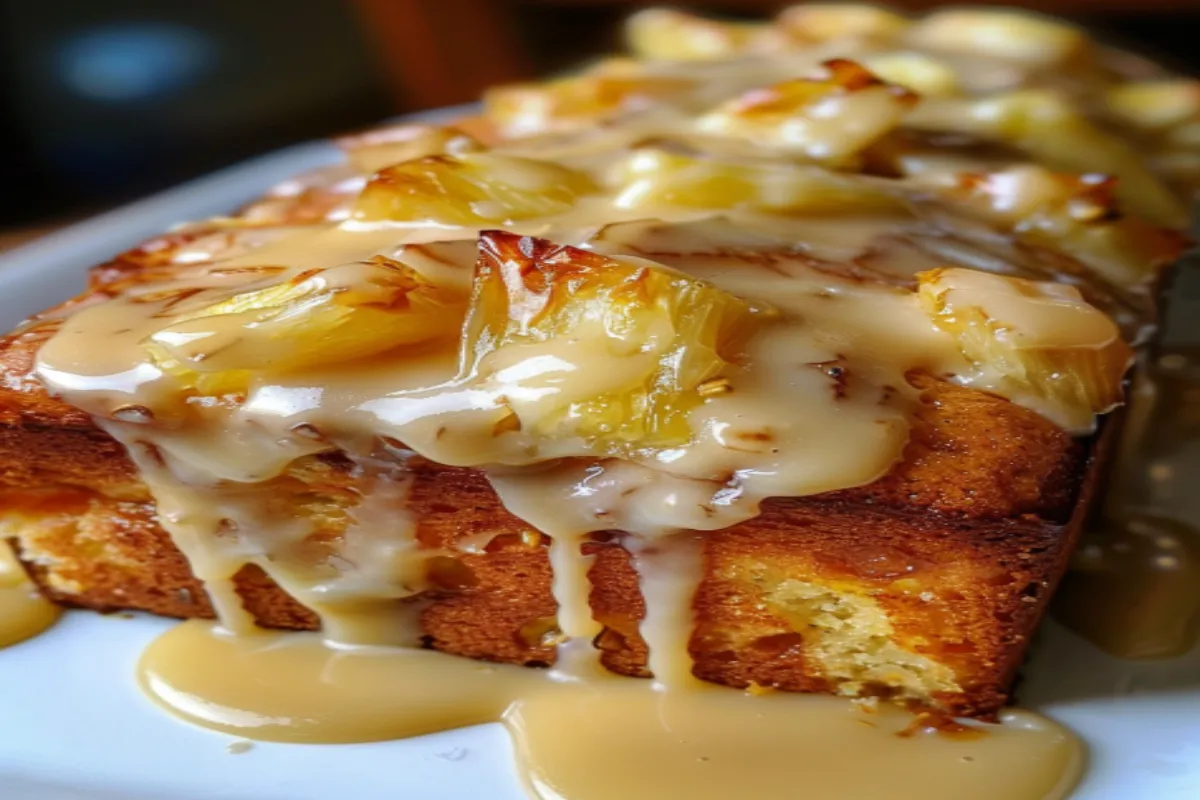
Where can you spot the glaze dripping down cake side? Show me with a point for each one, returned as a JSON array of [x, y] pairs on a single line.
[[773, 356]]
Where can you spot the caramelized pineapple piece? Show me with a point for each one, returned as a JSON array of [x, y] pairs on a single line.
[[920, 72], [1012, 196], [819, 22], [470, 189], [317, 318], [653, 338], [572, 103], [1076, 215], [664, 35], [373, 150], [1024, 38], [1039, 344], [1164, 117], [1155, 105], [827, 119], [1050, 130], [650, 178]]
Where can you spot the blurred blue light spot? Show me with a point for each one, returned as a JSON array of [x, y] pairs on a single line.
[[123, 63]]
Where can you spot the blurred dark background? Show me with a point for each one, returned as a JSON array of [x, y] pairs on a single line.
[[105, 100]]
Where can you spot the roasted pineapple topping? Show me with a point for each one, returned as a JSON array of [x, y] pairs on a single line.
[[470, 189], [820, 22], [316, 318], [651, 178], [826, 119], [657, 342], [1164, 114], [665, 35], [1023, 38], [1077, 214], [1156, 105], [372, 151], [570, 103], [1038, 344], [924, 74], [1053, 132], [1164, 117]]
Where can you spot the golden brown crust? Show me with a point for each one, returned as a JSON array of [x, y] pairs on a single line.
[[977, 455]]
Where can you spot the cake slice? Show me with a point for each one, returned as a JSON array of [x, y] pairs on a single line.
[[644, 362]]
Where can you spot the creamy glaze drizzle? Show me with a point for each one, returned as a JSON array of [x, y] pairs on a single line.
[[603, 738]]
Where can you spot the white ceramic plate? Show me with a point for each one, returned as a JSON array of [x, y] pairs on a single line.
[[73, 725]]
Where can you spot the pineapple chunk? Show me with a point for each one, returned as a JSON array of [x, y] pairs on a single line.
[[661, 34], [1038, 344], [1165, 116], [572, 103], [827, 119], [652, 340], [1054, 133], [920, 72], [317, 318], [470, 189], [373, 150], [650, 178], [1013, 195], [819, 22], [1155, 105], [1074, 214], [1024, 38]]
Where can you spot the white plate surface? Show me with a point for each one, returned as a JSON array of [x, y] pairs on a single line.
[[73, 725]]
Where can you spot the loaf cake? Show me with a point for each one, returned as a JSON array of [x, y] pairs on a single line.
[[774, 353]]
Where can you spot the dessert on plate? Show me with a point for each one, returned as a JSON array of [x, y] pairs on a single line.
[[775, 356]]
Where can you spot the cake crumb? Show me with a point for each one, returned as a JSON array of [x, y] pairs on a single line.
[[236, 748]]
